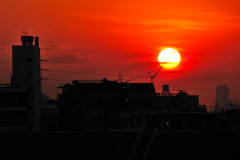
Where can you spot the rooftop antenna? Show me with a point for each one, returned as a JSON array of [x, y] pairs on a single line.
[[25, 30], [36, 31]]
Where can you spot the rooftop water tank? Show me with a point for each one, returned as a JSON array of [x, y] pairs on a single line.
[[165, 88]]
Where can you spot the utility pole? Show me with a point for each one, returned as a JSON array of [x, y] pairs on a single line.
[[120, 80]]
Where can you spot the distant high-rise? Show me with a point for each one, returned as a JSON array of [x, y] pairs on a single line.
[[222, 98]]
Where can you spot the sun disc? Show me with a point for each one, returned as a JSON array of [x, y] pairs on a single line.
[[169, 58]]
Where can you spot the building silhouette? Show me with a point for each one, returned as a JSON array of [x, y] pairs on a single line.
[[93, 105], [20, 100], [97, 104], [222, 98]]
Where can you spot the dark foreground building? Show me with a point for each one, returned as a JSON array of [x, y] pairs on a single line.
[[102, 105], [143, 132], [123, 145], [97, 105]]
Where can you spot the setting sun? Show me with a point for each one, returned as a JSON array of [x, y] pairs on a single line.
[[169, 58]]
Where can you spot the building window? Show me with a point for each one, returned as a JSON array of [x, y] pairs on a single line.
[[29, 74], [29, 88]]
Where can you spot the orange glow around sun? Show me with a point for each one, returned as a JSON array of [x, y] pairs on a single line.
[[169, 58]]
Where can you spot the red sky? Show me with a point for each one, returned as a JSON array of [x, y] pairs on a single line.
[[95, 39]]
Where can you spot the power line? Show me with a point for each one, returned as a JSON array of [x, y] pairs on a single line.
[[179, 88], [57, 80], [232, 79], [52, 70], [110, 65], [225, 69], [202, 88]]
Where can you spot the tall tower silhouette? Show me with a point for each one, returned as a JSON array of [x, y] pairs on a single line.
[[222, 98], [26, 74]]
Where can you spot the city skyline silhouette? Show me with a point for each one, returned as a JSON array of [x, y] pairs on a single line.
[[85, 40], [81, 79]]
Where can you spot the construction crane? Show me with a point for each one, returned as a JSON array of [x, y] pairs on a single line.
[[153, 76], [145, 75], [137, 77]]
